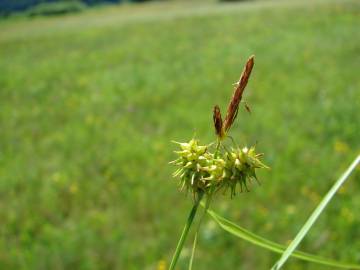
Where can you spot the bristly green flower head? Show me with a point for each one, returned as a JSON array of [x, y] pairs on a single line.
[[201, 171], [242, 165], [192, 159]]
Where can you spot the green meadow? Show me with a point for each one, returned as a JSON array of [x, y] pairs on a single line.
[[90, 102]]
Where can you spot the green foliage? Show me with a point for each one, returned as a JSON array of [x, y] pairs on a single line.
[[8, 7], [259, 241], [234, 0], [290, 250], [56, 8], [89, 105]]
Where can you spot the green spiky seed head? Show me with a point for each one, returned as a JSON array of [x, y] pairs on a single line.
[[192, 159], [241, 165], [200, 171]]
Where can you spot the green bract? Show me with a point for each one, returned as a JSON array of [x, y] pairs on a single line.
[[201, 171]]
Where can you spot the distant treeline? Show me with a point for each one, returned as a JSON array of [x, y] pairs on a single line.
[[11, 6]]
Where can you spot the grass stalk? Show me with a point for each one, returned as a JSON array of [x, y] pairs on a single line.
[[198, 229], [314, 216], [193, 249], [185, 232]]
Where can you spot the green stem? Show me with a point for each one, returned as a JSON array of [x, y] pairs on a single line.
[[198, 229], [218, 143], [193, 250], [185, 232]]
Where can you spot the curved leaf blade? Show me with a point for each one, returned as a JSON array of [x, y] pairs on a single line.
[[315, 215], [246, 235]]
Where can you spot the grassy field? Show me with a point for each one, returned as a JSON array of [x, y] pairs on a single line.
[[90, 102]]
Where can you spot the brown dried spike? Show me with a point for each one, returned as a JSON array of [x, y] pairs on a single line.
[[218, 123], [237, 96]]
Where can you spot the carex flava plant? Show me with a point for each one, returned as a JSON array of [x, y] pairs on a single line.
[[205, 170]]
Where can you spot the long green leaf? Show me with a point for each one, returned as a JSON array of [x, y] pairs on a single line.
[[275, 247], [315, 215], [272, 246]]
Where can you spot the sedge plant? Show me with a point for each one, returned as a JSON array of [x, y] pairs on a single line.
[[204, 170]]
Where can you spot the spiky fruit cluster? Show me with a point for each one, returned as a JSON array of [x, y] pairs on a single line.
[[192, 160], [202, 171], [241, 166]]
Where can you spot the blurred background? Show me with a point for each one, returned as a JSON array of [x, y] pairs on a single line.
[[91, 94]]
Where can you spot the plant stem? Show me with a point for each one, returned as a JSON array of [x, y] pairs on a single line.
[[198, 229], [218, 143], [193, 250], [185, 232]]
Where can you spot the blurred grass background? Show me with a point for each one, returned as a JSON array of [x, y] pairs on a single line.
[[90, 102]]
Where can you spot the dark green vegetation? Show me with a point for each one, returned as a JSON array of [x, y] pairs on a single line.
[[57, 8], [46, 7], [90, 102]]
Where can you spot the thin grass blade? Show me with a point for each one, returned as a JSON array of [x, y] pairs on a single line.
[[257, 240], [314, 216]]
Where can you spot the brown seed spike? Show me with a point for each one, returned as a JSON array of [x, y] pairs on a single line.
[[237, 96], [218, 123]]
